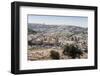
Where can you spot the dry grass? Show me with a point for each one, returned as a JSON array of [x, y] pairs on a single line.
[[44, 54]]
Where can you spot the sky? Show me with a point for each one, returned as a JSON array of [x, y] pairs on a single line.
[[59, 20]]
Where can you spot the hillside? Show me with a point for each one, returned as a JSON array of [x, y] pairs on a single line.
[[43, 38], [56, 28]]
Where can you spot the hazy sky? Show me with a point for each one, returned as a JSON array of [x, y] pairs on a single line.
[[65, 20]]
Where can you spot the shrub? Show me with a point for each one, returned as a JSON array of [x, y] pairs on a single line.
[[86, 50], [72, 51], [54, 54], [66, 49]]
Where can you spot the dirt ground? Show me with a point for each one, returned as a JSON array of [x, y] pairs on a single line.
[[44, 54]]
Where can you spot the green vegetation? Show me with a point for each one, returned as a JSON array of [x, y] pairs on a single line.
[[86, 50], [54, 54], [72, 51]]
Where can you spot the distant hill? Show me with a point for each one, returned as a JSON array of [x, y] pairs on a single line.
[[56, 28]]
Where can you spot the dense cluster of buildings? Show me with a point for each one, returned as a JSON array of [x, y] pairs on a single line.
[[55, 40]]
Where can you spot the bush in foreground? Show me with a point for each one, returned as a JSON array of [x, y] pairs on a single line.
[[72, 51], [54, 54]]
